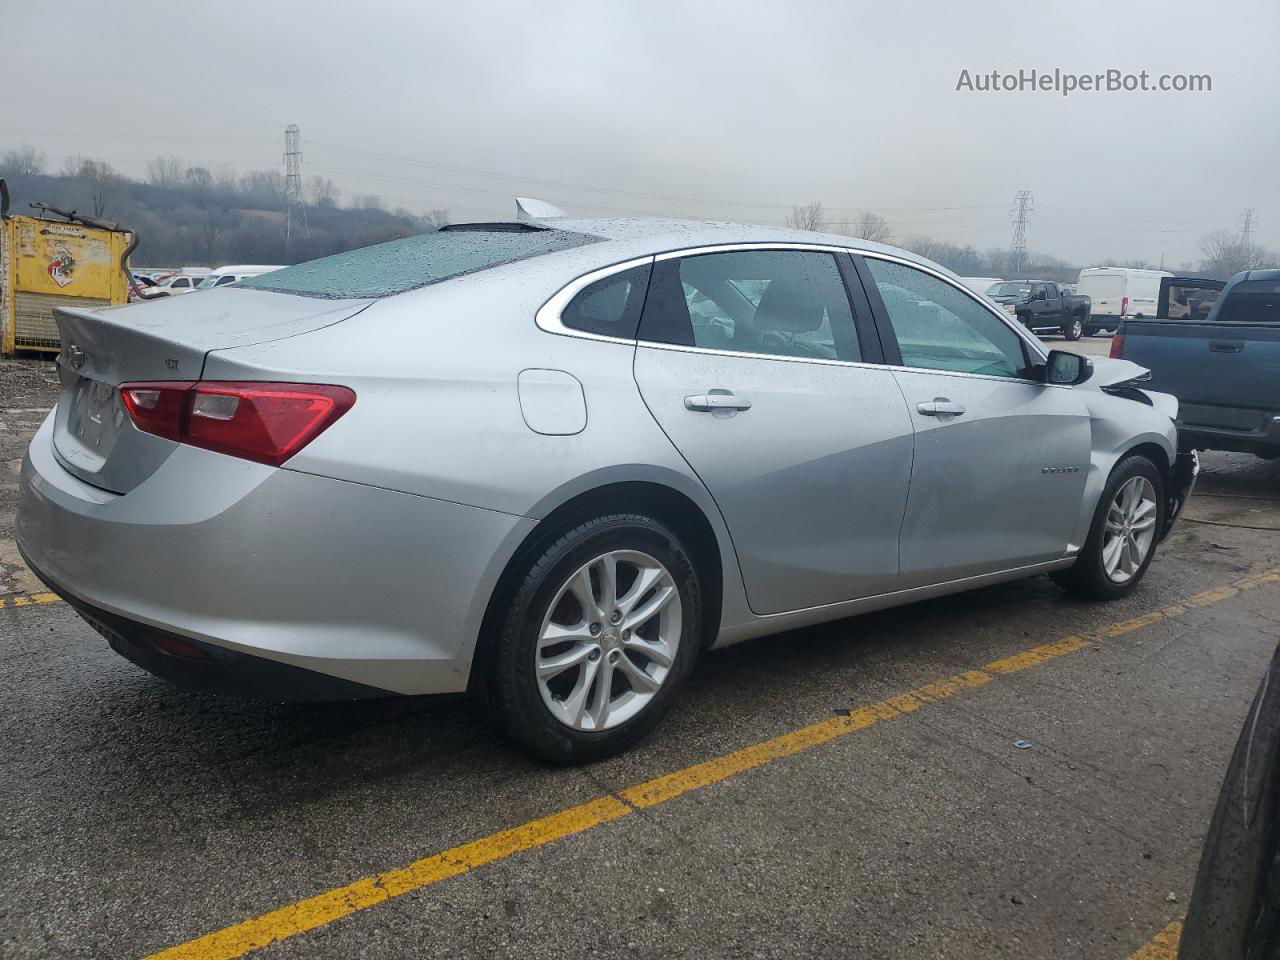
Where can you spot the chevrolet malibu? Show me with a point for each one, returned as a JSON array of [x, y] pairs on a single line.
[[552, 460]]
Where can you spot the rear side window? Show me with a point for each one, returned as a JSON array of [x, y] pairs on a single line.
[[1190, 302], [609, 307], [391, 268], [782, 303]]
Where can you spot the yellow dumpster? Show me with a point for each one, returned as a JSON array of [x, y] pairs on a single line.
[[49, 263]]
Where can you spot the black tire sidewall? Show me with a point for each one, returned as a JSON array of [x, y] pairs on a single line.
[[522, 712]]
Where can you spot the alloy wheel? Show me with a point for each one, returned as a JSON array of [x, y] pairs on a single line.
[[1130, 529], [609, 640]]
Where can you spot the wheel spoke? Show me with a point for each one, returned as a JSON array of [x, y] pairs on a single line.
[[601, 700], [655, 604], [640, 681], [657, 651], [607, 570], [581, 588], [646, 579], [575, 705], [555, 633], [549, 667], [1111, 553], [1144, 524]]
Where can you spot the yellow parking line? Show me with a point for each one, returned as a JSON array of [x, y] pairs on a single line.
[[28, 599], [289, 921], [1163, 946]]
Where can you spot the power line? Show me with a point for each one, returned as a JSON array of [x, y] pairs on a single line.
[[1246, 229], [293, 183], [1023, 204]]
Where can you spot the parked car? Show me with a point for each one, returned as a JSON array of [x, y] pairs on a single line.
[[979, 284], [1233, 915], [564, 483], [1119, 292], [1042, 306], [176, 284], [231, 272], [1225, 369]]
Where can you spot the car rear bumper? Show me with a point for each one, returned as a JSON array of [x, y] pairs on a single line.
[[380, 589]]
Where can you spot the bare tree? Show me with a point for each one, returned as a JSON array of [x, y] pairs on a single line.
[[198, 178], [26, 161], [1227, 253], [871, 226], [808, 217], [366, 201], [436, 218], [166, 171], [99, 179], [323, 192]]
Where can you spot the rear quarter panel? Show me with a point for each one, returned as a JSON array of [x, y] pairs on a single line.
[[438, 411]]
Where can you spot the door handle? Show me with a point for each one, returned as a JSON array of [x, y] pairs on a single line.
[[1226, 346], [714, 400], [940, 407]]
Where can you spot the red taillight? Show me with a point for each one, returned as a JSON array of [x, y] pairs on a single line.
[[1117, 345], [266, 422], [1124, 306]]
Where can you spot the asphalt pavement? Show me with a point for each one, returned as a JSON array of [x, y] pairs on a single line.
[[1006, 773]]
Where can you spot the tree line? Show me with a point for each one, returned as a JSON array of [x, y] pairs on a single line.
[[1223, 253], [189, 215]]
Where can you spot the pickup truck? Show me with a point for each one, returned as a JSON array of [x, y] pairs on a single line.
[[1042, 306], [1224, 369]]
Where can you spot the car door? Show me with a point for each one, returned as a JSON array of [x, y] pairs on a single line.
[[1053, 302], [751, 361], [1001, 458]]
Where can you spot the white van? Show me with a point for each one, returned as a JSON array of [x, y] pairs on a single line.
[[979, 284], [1118, 292], [231, 272]]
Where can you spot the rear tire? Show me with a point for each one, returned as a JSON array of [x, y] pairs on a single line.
[[1124, 534], [1073, 329], [567, 630]]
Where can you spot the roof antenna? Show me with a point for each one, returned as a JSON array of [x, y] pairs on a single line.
[[529, 208]]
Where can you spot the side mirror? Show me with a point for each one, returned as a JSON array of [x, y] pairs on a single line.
[[1066, 369]]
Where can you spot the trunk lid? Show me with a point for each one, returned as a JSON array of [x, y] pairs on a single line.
[[165, 339]]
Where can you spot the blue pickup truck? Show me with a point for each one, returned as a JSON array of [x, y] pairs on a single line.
[[1224, 367]]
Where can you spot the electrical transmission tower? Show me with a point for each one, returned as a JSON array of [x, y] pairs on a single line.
[[293, 182], [1023, 204], [1246, 226]]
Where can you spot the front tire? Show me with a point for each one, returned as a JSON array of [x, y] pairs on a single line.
[[1124, 534], [1073, 329], [601, 634]]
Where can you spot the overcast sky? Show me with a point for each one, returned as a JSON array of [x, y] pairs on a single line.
[[727, 110]]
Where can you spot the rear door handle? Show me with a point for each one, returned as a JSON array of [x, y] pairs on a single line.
[[1226, 346], [940, 407], [714, 400]]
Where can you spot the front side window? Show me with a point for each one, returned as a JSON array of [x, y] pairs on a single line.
[[939, 327], [785, 303], [611, 306]]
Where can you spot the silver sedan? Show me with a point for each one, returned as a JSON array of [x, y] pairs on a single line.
[[552, 460]]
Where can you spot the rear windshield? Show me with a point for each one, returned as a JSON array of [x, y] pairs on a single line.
[[1252, 301], [390, 268]]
